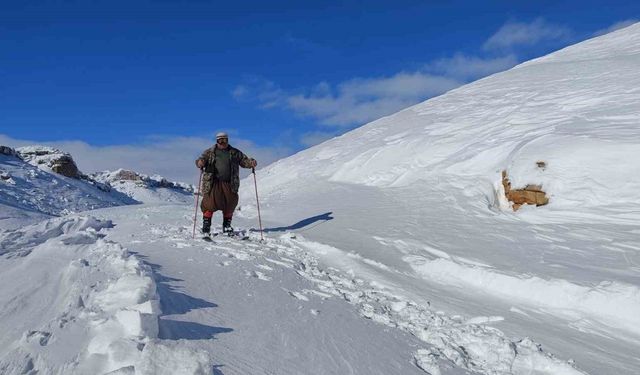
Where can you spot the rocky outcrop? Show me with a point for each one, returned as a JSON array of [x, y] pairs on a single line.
[[4, 150], [57, 161], [531, 194], [120, 176], [125, 175]]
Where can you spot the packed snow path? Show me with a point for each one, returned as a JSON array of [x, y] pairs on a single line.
[[272, 308], [245, 304]]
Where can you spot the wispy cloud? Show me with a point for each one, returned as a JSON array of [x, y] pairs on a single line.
[[616, 26], [171, 157], [357, 101], [467, 68], [360, 100], [313, 138], [513, 34]]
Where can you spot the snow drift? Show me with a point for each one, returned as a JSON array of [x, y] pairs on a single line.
[[73, 303]]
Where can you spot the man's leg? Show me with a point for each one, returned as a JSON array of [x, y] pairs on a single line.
[[206, 221], [226, 222]]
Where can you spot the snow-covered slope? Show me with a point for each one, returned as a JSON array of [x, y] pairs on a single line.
[[577, 109], [39, 181], [413, 202], [30, 192], [146, 189]]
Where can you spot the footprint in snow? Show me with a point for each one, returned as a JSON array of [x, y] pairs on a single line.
[[41, 337], [259, 275], [298, 295]]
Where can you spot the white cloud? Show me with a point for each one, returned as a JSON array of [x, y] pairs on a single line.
[[514, 34], [616, 26], [171, 157], [314, 138], [354, 101], [360, 100], [470, 67]]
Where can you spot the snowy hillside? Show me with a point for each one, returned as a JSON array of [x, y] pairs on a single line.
[[40, 181], [414, 203], [147, 189], [30, 192]]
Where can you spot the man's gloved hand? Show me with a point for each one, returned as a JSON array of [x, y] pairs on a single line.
[[254, 163], [200, 163]]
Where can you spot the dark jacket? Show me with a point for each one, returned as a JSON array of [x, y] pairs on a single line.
[[237, 160]]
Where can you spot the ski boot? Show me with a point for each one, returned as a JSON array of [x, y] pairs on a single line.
[[206, 226], [226, 227]]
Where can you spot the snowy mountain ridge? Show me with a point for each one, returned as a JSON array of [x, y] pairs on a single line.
[[145, 188], [28, 192], [41, 180]]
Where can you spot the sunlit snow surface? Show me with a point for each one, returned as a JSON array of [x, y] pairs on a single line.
[[388, 250], [415, 201]]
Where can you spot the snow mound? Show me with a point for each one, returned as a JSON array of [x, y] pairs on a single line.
[[87, 306]]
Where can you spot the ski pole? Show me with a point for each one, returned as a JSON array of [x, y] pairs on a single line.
[[255, 183], [195, 215]]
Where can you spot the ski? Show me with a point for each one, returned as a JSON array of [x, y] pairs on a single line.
[[207, 237], [238, 235]]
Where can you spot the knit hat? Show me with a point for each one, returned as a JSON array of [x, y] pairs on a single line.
[[222, 135]]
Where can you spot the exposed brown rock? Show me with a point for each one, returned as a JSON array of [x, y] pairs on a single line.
[[65, 166], [126, 175], [58, 161], [531, 194]]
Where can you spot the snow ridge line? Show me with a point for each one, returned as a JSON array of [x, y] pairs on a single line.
[[469, 345], [103, 311]]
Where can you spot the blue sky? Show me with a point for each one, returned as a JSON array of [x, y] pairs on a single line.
[[109, 76]]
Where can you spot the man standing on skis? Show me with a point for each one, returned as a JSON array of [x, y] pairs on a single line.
[[221, 180]]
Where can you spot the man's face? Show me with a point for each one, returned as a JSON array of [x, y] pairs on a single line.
[[222, 142]]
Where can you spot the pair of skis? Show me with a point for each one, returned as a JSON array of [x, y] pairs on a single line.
[[235, 234]]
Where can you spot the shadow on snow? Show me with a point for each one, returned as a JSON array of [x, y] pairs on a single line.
[[175, 302], [323, 218]]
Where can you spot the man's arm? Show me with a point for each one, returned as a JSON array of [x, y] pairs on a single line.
[[202, 161], [245, 161]]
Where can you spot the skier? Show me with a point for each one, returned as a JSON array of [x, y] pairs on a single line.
[[220, 181]]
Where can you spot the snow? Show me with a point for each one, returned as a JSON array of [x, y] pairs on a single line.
[[89, 304], [418, 207], [388, 250], [143, 188], [34, 193]]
